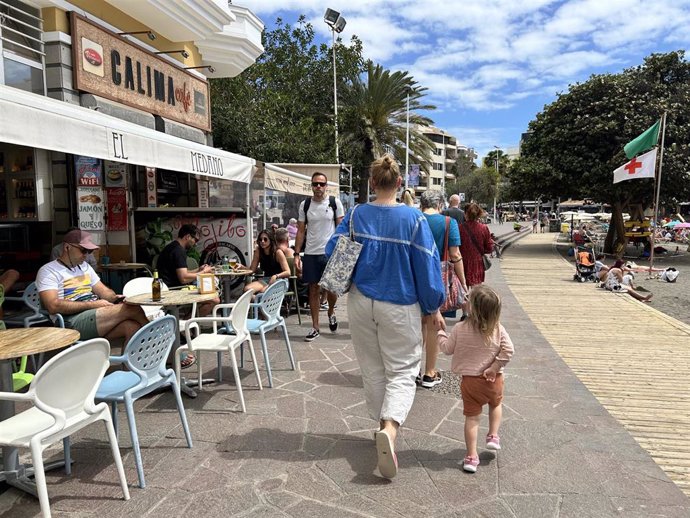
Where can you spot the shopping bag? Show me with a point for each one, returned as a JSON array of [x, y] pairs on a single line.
[[337, 276]]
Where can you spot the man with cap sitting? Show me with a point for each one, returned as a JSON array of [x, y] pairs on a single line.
[[70, 286]]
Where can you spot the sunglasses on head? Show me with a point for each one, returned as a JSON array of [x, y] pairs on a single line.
[[318, 184]]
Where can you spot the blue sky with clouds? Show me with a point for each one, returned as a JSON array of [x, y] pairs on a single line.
[[491, 65]]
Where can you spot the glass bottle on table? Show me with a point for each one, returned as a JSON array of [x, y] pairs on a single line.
[[156, 287]]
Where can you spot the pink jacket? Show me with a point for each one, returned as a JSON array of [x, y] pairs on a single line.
[[471, 355]]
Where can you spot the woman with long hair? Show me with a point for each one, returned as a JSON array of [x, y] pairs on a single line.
[[475, 241], [385, 310], [270, 259]]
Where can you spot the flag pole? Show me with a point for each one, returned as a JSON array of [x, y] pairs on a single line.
[[656, 196]]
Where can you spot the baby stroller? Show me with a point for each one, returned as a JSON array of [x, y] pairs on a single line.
[[585, 269]]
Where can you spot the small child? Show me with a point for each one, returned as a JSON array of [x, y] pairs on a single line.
[[481, 348]]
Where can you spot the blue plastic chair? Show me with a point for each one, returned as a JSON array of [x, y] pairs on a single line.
[[268, 307], [35, 314], [145, 357]]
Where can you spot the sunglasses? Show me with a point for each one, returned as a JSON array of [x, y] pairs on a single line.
[[318, 184], [83, 250]]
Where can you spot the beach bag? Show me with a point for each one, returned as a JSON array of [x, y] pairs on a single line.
[[669, 275], [337, 276], [455, 295], [485, 258]]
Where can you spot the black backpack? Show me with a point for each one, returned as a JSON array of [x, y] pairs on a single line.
[[331, 203]]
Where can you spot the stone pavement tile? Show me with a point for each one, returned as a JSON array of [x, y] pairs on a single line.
[[281, 499], [337, 395], [415, 497], [311, 509], [433, 447], [312, 484], [458, 488], [429, 410], [337, 357], [492, 508], [314, 365], [531, 506], [263, 511], [210, 427], [361, 424], [324, 418], [173, 503], [298, 386], [266, 434], [631, 508], [317, 445], [226, 501], [588, 506], [291, 406], [366, 506]]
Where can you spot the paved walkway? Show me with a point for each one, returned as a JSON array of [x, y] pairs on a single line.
[[305, 448]]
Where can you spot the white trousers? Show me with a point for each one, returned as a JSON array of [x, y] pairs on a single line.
[[388, 343]]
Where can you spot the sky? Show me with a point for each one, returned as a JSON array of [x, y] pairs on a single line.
[[491, 65]]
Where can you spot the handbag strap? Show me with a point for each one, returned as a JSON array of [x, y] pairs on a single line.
[[474, 242], [352, 225], [445, 239]]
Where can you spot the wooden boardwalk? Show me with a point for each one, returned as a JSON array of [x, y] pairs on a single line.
[[632, 358]]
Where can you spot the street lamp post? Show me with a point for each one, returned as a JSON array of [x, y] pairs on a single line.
[[407, 142], [497, 182], [337, 23]]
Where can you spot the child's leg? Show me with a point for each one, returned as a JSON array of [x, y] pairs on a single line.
[[495, 415], [471, 430]]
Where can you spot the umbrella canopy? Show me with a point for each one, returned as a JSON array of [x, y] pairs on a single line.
[[681, 225], [671, 223]]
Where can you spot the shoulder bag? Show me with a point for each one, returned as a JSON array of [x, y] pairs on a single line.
[[337, 276], [485, 258], [454, 292]]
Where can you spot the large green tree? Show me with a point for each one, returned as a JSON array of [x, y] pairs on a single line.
[[281, 108], [479, 186], [374, 119], [577, 141]]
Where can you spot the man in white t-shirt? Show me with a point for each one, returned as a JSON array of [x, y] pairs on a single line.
[[317, 224], [70, 286]]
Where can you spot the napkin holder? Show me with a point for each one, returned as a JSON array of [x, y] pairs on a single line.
[[206, 283]]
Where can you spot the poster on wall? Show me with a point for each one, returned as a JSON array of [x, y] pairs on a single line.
[[88, 171], [115, 174], [91, 208], [202, 193], [413, 177], [151, 199], [117, 209]]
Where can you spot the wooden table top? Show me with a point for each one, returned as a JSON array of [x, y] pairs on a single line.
[[22, 341], [171, 298], [125, 266], [232, 273]]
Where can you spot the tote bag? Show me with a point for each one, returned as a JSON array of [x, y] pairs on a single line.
[[454, 292], [485, 258], [337, 276]]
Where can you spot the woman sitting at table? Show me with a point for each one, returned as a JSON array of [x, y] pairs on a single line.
[[270, 259]]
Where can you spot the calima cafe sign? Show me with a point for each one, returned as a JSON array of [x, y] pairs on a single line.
[[107, 65]]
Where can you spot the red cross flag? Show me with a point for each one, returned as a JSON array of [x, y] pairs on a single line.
[[642, 166]]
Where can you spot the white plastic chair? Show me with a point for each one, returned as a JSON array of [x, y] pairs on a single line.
[[142, 285], [62, 393], [218, 343]]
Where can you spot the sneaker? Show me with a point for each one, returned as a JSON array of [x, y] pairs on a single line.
[[431, 381], [493, 442], [312, 335], [333, 323], [470, 464], [323, 306], [418, 379]]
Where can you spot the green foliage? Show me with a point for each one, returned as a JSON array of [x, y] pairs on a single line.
[[577, 141], [374, 117], [503, 161], [281, 108], [479, 185], [463, 164]]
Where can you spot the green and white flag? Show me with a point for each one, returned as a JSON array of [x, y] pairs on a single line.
[[646, 140], [642, 166]]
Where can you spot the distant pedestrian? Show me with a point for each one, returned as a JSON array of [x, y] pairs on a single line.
[[408, 198], [481, 348], [397, 280], [454, 210], [475, 240], [318, 217]]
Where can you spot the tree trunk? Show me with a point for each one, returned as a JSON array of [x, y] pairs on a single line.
[[616, 241], [364, 178]]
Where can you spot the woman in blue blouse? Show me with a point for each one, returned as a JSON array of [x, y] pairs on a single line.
[[397, 280]]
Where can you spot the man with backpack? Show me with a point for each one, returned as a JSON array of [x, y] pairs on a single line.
[[318, 217]]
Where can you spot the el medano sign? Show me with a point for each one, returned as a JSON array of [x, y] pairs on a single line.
[[107, 65]]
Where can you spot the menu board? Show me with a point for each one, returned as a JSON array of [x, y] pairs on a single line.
[[91, 208], [88, 171], [117, 209]]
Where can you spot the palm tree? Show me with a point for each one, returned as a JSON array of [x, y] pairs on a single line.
[[374, 119]]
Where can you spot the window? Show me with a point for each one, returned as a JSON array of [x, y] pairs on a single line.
[[436, 181], [438, 167], [21, 47]]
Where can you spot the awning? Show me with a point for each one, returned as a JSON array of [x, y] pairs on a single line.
[[32, 120], [281, 179]]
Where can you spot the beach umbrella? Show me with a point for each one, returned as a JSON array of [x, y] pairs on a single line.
[[671, 223], [681, 225]]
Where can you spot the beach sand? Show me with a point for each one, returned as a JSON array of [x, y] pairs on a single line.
[[671, 298]]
